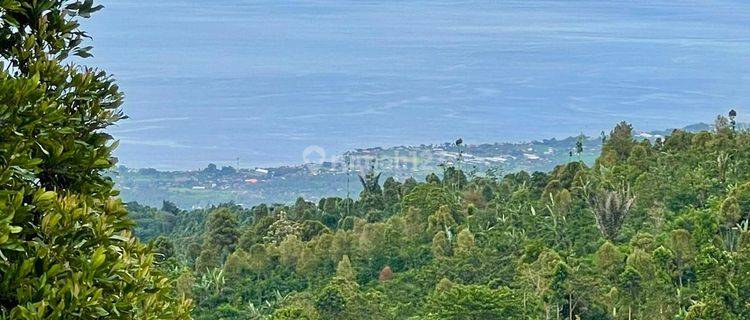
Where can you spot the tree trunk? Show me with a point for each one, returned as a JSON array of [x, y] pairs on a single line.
[[630, 313], [570, 307]]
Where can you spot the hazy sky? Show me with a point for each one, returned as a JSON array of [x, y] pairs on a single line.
[[211, 81]]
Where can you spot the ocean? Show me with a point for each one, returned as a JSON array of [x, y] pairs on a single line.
[[256, 83]]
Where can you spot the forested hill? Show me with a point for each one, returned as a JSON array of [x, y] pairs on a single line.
[[651, 230]]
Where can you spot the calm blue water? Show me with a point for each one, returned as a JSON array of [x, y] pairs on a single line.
[[211, 81]]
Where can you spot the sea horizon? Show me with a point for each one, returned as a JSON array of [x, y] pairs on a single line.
[[263, 80]]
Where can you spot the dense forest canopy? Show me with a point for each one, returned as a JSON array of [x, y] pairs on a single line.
[[655, 229]]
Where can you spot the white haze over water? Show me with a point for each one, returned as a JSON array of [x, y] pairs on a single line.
[[211, 81]]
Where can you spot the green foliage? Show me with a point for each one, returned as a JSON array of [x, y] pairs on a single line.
[[292, 313], [474, 302], [163, 248], [428, 198], [737, 205], [220, 239], [330, 302], [573, 243], [66, 246], [618, 145]]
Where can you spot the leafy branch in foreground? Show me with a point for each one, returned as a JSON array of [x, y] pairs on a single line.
[[66, 246]]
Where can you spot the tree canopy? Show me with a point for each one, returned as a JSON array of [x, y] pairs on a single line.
[[654, 229]]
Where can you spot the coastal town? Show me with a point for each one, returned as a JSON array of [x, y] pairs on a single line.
[[249, 186]]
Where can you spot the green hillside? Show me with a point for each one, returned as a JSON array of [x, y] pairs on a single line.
[[650, 231]]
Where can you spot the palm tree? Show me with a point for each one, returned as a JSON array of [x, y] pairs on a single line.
[[579, 146], [732, 122], [611, 207]]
